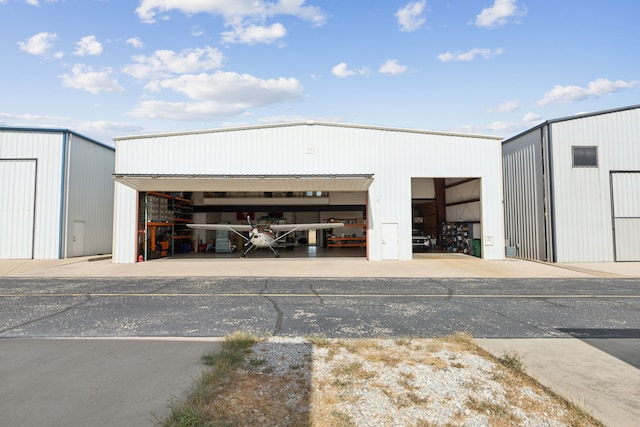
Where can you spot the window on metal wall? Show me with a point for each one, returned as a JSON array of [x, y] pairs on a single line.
[[585, 156]]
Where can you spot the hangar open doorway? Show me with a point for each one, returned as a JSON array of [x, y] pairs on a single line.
[[164, 215], [446, 215]]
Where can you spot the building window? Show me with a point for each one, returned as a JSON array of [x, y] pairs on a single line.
[[585, 157]]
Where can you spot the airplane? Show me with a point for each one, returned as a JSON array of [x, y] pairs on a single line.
[[264, 236]]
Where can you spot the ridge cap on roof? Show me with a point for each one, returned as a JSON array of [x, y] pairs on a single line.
[[307, 123]]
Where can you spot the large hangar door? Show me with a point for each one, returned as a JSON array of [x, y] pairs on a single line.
[[18, 193], [625, 190]]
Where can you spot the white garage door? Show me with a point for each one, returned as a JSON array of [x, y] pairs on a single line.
[[17, 192], [626, 215]]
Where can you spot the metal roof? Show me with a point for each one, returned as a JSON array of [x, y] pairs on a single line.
[[54, 130], [574, 117]]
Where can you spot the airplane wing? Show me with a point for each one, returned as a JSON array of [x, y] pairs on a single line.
[[298, 227], [222, 227]]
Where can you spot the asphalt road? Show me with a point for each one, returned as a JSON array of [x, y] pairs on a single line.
[[95, 382], [205, 307]]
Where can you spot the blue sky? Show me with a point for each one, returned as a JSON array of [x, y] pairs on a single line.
[[107, 68]]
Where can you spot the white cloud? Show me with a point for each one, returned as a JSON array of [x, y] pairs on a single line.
[[531, 117], [234, 88], [221, 94], [100, 130], [197, 31], [342, 70], [135, 42], [21, 119], [185, 110], [505, 128], [470, 55], [106, 129], [164, 63], [83, 77], [246, 17], [254, 34], [32, 2], [508, 107], [38, 44], [499, 13], [597, 88], [392, 67], [411, 17], [88, 46]]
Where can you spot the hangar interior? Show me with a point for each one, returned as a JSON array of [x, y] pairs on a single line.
[[445, 211]]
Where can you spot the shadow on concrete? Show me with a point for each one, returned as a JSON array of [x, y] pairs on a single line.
[[623, 344]]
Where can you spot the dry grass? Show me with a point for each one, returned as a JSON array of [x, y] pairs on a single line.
[[339, 378]]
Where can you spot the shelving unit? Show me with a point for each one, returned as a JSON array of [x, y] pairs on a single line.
[[456, 237], [347, 242], [162, 228], [354, 235]]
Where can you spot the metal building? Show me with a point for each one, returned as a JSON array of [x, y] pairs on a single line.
[[384, 173], [57, 192], [572, 188]]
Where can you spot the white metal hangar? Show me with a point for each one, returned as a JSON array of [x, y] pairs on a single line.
[[57, 193], [572, 188], [381, 182]]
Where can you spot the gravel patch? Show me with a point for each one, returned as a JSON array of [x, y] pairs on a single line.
[[405, 382]]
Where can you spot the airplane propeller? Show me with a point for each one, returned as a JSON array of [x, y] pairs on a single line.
[[251, 232], [249, 244]]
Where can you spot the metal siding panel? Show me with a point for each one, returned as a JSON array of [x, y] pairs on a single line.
[[583, 200], [90, 195], [125, 225], [17, 190], [523, 195], [463, 192], [46, 147], [467, 212]]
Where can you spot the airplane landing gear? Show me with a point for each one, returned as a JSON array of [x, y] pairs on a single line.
[[244, 253], [275, 251]]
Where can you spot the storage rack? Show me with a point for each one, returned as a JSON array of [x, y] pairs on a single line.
[[456, 237], [163, 227], [354, 237]]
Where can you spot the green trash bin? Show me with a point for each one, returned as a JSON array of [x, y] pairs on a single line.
[[477, 248]]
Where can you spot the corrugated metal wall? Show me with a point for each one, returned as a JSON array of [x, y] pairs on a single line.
[[524, 210], [70, 181], [90, 192], [125, 236], [393, 156], [47, 148], [17, 186], [575, 223], [584, 224]]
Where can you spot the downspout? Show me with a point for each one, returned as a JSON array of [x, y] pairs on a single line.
[[63, 196]]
